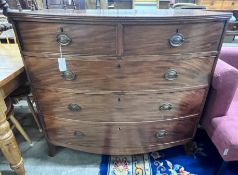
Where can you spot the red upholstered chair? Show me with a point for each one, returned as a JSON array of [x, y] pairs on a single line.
[[220, 118]]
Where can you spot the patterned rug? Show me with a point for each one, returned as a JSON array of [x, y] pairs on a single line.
[[202, 159], [145, 164]]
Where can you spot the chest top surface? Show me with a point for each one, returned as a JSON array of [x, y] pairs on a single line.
[[120, 14]]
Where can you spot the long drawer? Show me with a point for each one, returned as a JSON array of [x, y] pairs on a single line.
[[119, 138], [119, 107], [122, 75]]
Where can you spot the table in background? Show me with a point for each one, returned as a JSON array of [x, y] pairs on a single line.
[[12, 75]]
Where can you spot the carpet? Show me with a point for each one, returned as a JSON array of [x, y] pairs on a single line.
[[202, 160]]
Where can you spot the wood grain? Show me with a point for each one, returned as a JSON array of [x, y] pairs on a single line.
[[12, 72], [128, 16], [11, 64], [118, 138], [86, 39], [120, 74], [219, 4], [103, 41], [153, 39], [119, 107]]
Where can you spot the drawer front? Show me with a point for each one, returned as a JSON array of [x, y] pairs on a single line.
[[117, 138], [119, 107], [220, 4], [85, 39], [122, 75], [230, 5], [186, 38], [212, 4]]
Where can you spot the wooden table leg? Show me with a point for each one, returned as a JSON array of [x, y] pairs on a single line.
[[8, 142]]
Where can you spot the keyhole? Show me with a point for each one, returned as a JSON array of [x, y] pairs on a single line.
[[61, 29], [119, 66], [119, 99], [119, 129]]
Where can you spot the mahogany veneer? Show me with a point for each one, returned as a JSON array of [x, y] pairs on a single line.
[[120, 138], [124, 74], [136, 81], [117, 107]]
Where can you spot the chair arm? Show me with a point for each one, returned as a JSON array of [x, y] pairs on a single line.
[[229, 55], [224, 85]]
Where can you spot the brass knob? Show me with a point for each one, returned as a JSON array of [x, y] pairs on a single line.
[[63, 39], [176, 40], [74, 107], [79, 134], [68, 75], [161, 134], [171, 74], [166, 107]]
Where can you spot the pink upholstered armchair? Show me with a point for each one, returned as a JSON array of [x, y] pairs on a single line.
[[220, 118]]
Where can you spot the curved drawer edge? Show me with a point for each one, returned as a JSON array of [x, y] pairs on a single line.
[[119, 123], [123, 151]]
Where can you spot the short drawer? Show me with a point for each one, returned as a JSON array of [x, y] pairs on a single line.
[[171, 39], [120, 75], [118, 107], [119, 138], [85, 39]]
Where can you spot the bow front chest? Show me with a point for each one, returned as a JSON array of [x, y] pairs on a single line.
[[119, 81]]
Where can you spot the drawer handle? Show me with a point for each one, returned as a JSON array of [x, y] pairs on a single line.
[[63, 39], [161, 134], [74, 107], [166, 107], [171, 74], [176, 40], [68, 75], [79, 134]]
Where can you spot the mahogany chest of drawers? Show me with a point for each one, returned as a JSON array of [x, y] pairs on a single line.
[[135, 82]]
